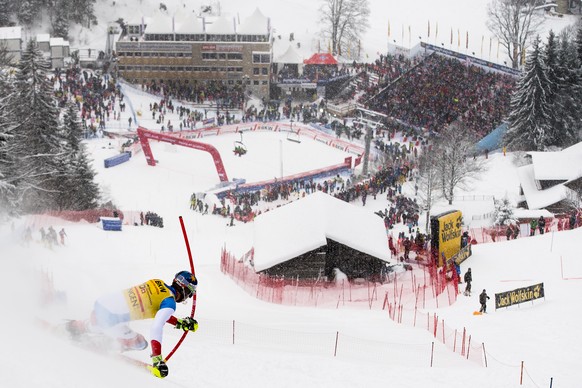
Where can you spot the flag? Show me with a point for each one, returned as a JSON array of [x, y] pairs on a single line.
[[436, 32], [451, 35], [329, 47], [428, 32], [318, 46], [498, 44], [388, 28], [482, 40], [458, 38], [402, 33], [409, 35], [467, 40]]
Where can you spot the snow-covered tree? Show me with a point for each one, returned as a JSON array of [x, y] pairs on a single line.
[[7, 125], [530, 116], [37, 143], [344, 22], [454, 149], [504, 212], [5, 12], [60, 21], [513, 22], [27, 12], [567, 120], [427, 181], [79, 190]]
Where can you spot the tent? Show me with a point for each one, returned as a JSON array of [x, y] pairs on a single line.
[[290, 57], [321, 59]]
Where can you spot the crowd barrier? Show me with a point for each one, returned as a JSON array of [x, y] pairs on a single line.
[[404, 296]]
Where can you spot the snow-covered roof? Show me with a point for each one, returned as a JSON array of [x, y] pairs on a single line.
[[290, 56], [305, 224], [539, 199], [189, 24], [43, 37], [59, 42], [256, 24], [561, 165], [161, 24], [10, 33], [220, 26]]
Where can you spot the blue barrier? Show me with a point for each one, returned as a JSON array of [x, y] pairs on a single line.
[[493, 140], [111, 223], [117, 159]]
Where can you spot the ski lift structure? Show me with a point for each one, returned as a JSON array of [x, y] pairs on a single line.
[[293, 135], [239, 147]]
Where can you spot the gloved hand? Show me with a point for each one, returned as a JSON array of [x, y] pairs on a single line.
[[187, 324], [159, 367]]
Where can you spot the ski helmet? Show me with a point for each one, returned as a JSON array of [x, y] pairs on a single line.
[[187, 281]]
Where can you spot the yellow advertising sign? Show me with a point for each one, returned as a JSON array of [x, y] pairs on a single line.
[[450, 231]]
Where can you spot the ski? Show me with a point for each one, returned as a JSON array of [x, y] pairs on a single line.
[[97, 343]]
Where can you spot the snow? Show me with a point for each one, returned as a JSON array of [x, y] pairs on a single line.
[[284, 346], [569, 160], [276, 345]]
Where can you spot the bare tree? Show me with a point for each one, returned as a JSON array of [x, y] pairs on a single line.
[[427, 184], [513, 22], [344, 22], [456, 159]]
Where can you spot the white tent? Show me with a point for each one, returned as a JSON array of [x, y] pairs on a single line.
[[256, 24], [291, 56]]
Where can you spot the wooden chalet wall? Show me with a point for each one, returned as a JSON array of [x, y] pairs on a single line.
[[321, 262]]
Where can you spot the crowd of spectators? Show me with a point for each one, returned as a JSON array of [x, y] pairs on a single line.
[[97, 97], [216, 92], [440, 90]]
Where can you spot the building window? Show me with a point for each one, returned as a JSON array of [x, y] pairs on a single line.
[[264, 82], [264, 71], [261, 58], [255, 82]]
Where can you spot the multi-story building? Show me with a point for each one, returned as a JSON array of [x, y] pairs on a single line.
[[190, 48]]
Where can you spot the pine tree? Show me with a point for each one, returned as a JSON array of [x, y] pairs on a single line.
[[60, 21], [556, 82], [567, 115], [27, 12], [79, 190], [7, 188], [37, 143], [504, 212], [578, 42], [530, 116], [5, 12]]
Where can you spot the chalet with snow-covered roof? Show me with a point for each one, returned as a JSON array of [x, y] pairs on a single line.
[[11, 38], [59, 51], [43, 43], [186, 48], [312, 236], [551, 179]]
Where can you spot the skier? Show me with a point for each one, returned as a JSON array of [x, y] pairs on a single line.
[[62, 235], [483, 300], [152, 299], [468, 278]]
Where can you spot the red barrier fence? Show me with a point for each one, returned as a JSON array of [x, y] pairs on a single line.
[[405, 297]]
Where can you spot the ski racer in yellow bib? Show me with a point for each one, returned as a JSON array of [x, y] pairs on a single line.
[[153, 299]]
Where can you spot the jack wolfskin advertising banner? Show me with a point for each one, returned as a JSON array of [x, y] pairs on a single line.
[[446, 230], [519, 295]]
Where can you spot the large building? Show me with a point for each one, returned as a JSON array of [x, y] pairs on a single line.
[[188, 48]]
